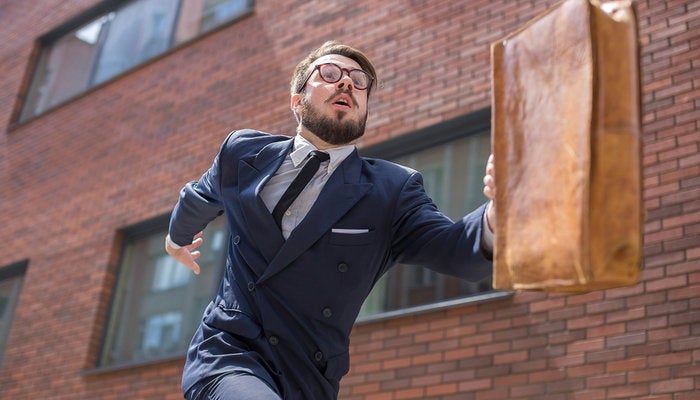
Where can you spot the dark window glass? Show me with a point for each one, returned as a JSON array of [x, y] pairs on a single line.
[[11, 278], [453, 177], [158, 302], [100, 48]]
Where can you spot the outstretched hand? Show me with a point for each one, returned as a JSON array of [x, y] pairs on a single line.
[[187, 255], [490, 192]]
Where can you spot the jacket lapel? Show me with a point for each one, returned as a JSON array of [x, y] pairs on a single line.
[[252, 176], [342, 191]]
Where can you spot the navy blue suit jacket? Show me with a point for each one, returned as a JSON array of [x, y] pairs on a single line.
[[285, 309]]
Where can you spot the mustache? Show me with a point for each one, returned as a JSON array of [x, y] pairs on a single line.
[[341, 91]]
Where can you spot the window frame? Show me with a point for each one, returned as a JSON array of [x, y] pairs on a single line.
[[37, 59], [17, 270], [423, 139], [129, 235]]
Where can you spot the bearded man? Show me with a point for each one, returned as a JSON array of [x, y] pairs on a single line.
[[313, 227]]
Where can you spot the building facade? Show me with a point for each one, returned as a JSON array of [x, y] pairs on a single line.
[[109, 107]]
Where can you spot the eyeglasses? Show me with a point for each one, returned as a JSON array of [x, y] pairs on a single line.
[[332, 73]]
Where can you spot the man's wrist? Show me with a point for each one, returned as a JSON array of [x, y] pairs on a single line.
[[169, 243]]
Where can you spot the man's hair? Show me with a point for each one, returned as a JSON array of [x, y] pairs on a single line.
[[301, 72]]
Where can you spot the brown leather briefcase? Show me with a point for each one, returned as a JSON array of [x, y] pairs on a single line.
[[566, 140]]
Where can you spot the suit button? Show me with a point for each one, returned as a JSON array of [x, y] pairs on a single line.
[[251, 286], [327, 312], [236, 239], [273, 340], [318, 356], [342, 267]]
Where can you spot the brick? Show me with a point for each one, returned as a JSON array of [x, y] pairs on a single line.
[[605, 355], [529, 366], [475, 384], [689, 343], [548, 304], [626, 339], [494, 348], [589, 394], [493, 372], [608, 380], [673, 386], [547, 376], [586, 321], [664, 235], [586, 345], [681, 220], [587, 369], [669, 308], [413, 393], [649, 375], [511, 357], [605, 306], [647, 323], [527, 391], [647, 349], [684, 318], [627, 391], [494, 394], [678, 358], [627, 365], [625, 315]]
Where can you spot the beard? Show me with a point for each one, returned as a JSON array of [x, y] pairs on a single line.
[[334, 131]]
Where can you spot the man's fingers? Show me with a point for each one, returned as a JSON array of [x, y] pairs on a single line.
[[490, 166], [195, 243], [489, 187], [186, 255], [187, 258], [195, 268], [489, 180]]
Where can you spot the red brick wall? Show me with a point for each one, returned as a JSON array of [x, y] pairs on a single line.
[[70, 179]]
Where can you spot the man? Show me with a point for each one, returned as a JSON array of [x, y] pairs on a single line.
[[297, 273]]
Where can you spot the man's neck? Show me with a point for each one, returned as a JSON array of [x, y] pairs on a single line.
[[315, 140]]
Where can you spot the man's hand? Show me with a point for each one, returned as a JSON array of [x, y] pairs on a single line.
[[490, 192], [186, 254]]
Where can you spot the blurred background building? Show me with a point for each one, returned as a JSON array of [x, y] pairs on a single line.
[[108, 107]]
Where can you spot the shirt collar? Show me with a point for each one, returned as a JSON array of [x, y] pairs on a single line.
[[303, 147]]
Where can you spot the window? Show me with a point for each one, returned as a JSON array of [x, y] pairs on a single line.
[[10, 285], [108, 41], [451, 157], [158, 302]]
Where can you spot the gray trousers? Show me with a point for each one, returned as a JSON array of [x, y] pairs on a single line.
[[233, 386]]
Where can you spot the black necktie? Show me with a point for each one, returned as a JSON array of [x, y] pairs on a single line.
[[308, 170]]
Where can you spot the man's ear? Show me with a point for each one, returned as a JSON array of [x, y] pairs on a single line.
[[295, 105], [295, 102]]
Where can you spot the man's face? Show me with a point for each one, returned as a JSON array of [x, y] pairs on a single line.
[[334, 112]]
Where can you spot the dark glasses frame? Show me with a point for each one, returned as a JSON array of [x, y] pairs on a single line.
[[348, 72]]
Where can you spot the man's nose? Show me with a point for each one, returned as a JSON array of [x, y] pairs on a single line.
[[345, 82]]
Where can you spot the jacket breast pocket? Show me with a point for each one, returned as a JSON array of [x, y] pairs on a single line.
[[233, 321], [343, 238]]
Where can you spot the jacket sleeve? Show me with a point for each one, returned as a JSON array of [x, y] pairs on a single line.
[[425, 236], [199, 203]]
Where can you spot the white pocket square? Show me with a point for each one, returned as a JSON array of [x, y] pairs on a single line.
[[349, 231]]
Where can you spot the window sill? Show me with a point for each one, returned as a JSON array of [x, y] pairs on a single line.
[[127, 365], [476, 299]]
